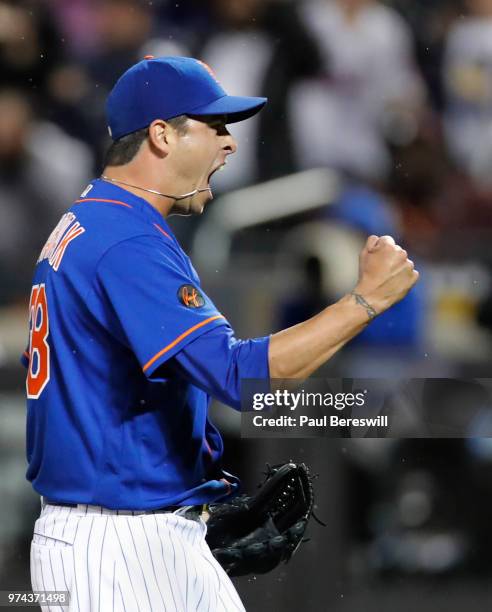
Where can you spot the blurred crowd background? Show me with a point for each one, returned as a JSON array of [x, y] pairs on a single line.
[[379, 121]]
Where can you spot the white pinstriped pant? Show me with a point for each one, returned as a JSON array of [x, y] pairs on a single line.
[[119, 561]]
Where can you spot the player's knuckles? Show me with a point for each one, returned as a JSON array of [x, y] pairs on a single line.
[[398, 256], [386, 249], [398, 251], [386, 241], [402, 253], [408, 268], [411, 277], [371, 242]]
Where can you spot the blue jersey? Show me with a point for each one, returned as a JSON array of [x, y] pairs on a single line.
[[117, 397]]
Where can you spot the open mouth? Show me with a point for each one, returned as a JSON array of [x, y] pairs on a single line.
[[216, 169]]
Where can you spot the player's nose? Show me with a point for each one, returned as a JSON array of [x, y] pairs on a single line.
[[229, 144]]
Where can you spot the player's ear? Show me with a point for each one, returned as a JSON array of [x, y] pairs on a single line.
[[160, 137]]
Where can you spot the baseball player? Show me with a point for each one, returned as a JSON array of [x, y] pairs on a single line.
[[126, 349]]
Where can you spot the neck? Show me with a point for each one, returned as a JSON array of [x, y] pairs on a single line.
[[137, 184]]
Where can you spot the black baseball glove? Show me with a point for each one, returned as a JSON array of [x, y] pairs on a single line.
[[253, 534]]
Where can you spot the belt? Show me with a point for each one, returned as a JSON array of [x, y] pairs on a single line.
[[191, 512]]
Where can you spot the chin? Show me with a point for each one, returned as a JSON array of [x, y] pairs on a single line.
[[195, 210], [197, 206], [189, 208]]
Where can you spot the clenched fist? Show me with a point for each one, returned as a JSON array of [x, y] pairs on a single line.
[[386, 274]]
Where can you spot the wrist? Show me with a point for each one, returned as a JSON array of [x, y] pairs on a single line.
[[358, 298], [374, 297]]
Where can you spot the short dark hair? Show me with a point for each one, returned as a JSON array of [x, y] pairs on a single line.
[[123, 150]]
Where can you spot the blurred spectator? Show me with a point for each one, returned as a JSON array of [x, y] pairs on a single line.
[[259, 47], [41, 172], [430, 22], [29, 45], [75, 19], [183, 22], [74, 104], [121, 33], [371, 90], [124, 32], [468, 78], [79, 83], [80, 20], [418, 181], [122, 27]]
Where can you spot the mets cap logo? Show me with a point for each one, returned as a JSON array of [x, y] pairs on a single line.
[[190, 296], [209, 70]]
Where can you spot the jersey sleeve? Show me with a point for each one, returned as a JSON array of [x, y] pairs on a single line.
[[145, 296], [217, 362]]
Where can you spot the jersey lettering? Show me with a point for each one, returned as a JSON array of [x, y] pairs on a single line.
[[60, 238], [75, 230], [56, 235], [38, 373], [89, 187]]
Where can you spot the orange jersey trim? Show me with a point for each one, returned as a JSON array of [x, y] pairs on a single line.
[[179, 338], [103, 200], [162, 231], [26, 354]]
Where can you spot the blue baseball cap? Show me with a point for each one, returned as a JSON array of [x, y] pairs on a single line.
[[165, 87]]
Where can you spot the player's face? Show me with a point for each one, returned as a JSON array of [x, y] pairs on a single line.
[[198, 153]]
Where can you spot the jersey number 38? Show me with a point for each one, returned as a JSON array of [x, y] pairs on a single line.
[[39, 351]]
